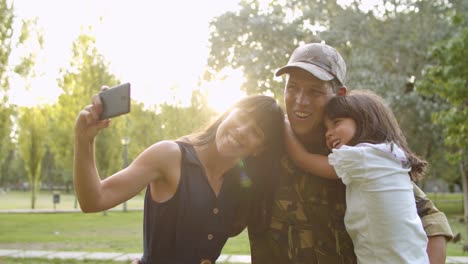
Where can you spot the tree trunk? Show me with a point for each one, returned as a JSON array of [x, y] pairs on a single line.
[[33, 196], [464, 175]]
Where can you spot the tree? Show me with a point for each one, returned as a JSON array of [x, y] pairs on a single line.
[[384, 49], [138, 120], [177, 121], [14, 170], [445, 82], [87, 72], [7, 69], [32, 137]]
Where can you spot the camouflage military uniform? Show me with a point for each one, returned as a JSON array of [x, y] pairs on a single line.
[[435, 223], [307, 221]]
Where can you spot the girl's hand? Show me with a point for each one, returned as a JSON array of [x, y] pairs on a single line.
[[293, 145], [313, 163], [87, 124]]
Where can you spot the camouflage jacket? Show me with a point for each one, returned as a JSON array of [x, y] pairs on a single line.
[[307, 221]]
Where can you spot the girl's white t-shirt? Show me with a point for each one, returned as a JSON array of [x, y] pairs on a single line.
[[381, 215]]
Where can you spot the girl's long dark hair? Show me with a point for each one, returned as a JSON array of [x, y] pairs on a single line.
[[375, 123]]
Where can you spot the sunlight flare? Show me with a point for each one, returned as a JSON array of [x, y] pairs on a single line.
[[225, 90]]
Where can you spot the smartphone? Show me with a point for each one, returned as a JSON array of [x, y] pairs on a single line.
[[115, 101]]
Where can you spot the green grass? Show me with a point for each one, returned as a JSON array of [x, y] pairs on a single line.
[[115, 231], [61, 261], [53, 261], [122, 231], [22, 200], [456, 249], [449, 203]]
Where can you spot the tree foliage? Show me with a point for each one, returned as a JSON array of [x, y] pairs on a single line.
[[445, 82], [6, 110], [142, 127], [87, 72], [8, 45], [384, 49], [32, 139], [177, 121], [6, 33]]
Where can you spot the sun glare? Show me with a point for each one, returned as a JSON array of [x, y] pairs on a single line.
[[224, 91]]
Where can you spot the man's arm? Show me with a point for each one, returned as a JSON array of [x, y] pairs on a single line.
[[435, 224], [436, 249]]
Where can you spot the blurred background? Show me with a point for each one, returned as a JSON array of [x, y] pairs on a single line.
[[187, 61]]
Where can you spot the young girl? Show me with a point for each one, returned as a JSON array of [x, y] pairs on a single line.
[[195, 187], [372, 158]]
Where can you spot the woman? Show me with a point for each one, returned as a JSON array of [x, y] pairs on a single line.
[[196, 187]]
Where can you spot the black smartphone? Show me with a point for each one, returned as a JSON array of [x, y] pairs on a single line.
[[115, 101]]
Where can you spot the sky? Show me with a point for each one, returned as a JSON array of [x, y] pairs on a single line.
[[160, 47]]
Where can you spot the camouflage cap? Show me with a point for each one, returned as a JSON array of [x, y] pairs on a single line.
[[321, 60]]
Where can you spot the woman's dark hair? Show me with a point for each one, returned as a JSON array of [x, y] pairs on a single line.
[[375, 123], [263, 109], [261, 169]]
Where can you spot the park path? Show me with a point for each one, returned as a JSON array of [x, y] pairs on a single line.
[[78, 255], [13, 253]]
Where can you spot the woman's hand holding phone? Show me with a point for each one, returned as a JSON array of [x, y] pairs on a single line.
[[108, 103]]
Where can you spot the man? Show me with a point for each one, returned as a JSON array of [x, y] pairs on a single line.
[[305, 224]]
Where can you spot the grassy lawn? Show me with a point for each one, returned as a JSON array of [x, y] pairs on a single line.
[[22, 200], [118, 231], [60, 261], [52, 261], [115, 231], [449, 203]]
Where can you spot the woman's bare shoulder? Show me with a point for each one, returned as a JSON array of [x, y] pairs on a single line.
[[159, 160], [166, 149]]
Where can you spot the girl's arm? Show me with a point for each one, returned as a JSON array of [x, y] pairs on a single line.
[[313, 163], [95, 194]]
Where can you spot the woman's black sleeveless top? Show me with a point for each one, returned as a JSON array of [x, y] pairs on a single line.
[[194, 224]]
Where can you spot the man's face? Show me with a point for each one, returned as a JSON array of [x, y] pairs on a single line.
[[305, 98]]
